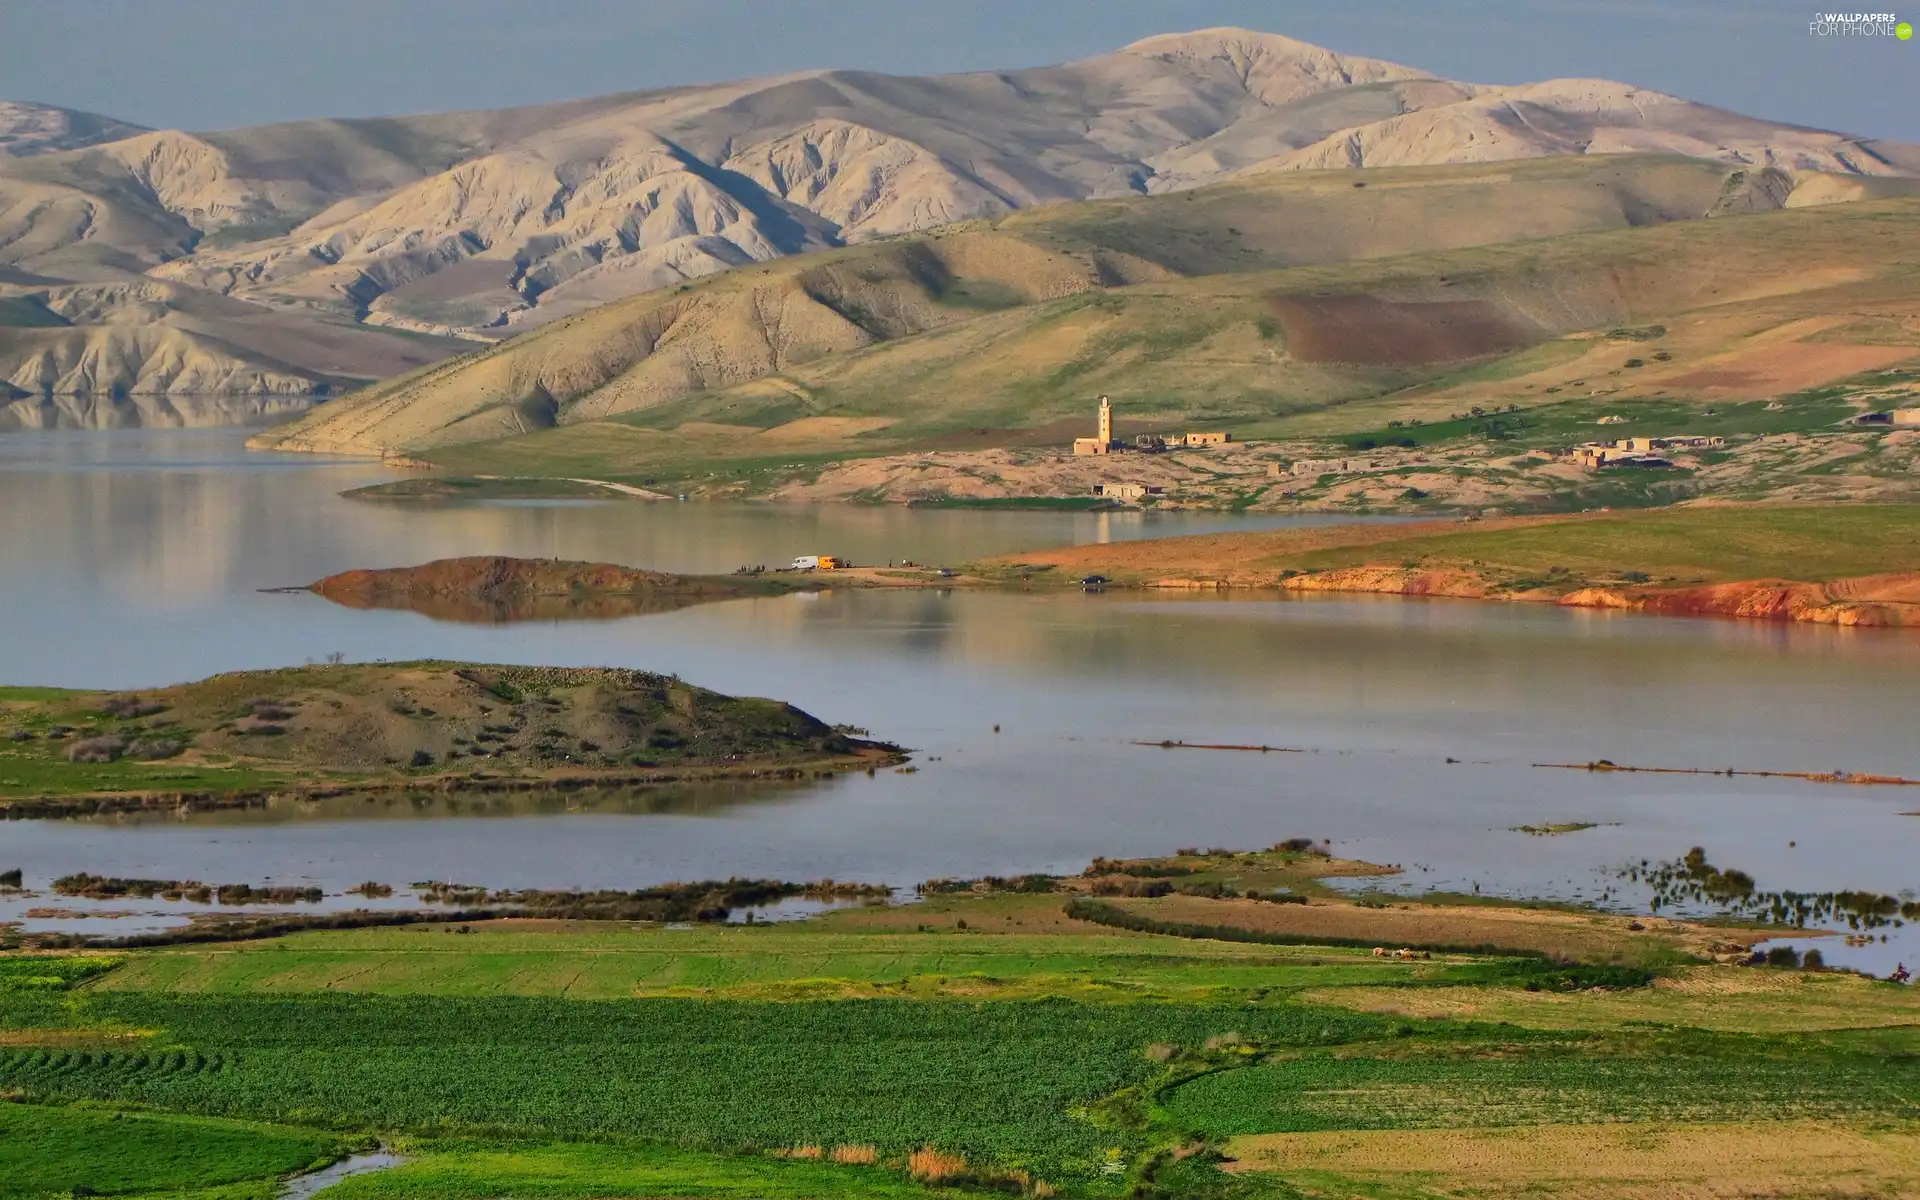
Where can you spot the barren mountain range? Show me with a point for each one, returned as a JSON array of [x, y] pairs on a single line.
[[316, 255]]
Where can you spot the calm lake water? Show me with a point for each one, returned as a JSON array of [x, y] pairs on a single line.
[[132, 559]]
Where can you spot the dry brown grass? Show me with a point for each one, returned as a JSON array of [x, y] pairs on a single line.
[[931, 1166], [1720, 998], [1708, 1162], [808, 1151], [1587, 937], [855, 1155]]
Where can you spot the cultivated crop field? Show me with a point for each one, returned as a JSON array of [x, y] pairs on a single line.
[[984, 1042]]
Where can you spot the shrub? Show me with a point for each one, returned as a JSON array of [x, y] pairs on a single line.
[[11, 878], [131, 707], [1636, 576], [267, 710], [21, 735], [1783, 956], [1212, 889], [1813, 960], [96, 750], [151, 749], [1278, 897], [421, 758], [1137, 888]]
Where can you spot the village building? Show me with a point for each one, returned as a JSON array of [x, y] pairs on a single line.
[[1127, 491], [1103, 443], [1320, 466], [1638, 451], [1200, 439]]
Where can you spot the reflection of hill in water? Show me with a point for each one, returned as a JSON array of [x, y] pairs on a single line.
[[148, 412], [504, 610], [709, 799]]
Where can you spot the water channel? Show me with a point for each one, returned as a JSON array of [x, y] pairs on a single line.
[[133, 558]]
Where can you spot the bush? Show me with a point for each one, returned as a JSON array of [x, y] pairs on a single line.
[[421, 758], [1783, 956], [131, 707], [1813, 960], [1212, 889], [11, 878], [96, 750], [1136, 888], [1278, 897], [21, 735], [267, 710], [152, 749]]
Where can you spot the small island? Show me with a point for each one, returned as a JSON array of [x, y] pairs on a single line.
[[495, 589], [340, 729]]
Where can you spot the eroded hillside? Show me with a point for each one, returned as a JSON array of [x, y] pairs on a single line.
[[479, 225], [1240, 302]]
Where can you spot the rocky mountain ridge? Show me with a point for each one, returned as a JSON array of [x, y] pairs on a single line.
[[479, 225]]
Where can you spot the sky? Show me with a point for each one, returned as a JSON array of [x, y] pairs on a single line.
[[213, 64]]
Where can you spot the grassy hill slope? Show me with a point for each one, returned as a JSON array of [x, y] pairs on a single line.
[[1166, 302]]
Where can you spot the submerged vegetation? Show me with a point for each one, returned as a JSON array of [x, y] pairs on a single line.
[[1693, 883]]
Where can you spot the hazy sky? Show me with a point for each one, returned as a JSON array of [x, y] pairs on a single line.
[[208, 64]]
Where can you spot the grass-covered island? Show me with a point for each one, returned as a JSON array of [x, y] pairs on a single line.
[[344, 728], [1209, 1024]]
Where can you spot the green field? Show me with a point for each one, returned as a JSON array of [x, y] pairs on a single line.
[[473, 1169], [47, 1150], [1013, 1049], [770, 962]]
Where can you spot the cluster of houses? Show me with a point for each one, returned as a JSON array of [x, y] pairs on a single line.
[[1647, 452], [1321, 466], [1103, 441]]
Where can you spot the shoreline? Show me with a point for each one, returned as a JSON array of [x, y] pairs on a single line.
[[1705, 561], [55, 806]]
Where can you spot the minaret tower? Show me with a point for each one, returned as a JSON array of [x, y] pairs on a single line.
[[1106, 422]]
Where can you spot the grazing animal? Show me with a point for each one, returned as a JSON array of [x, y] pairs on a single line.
[[1379, 951]]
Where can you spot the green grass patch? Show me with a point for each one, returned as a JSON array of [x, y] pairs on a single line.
[[609, 962], [1674, 545], [1723, 1080], [1555, 425], [49, 1151], [481, 1170]]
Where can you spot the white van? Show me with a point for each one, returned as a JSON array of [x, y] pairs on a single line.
[[806, 562]]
